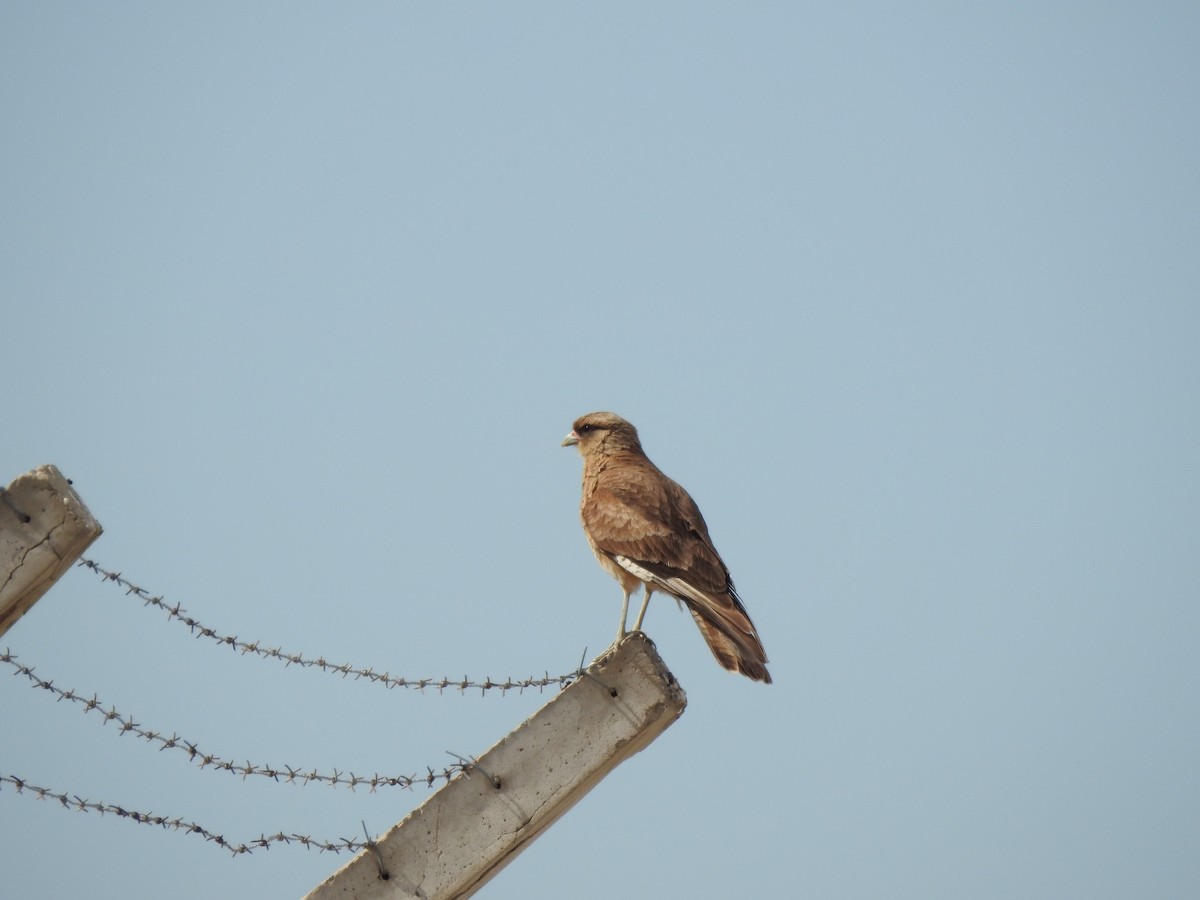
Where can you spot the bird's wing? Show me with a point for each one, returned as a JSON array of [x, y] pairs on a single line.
[[637, 515]]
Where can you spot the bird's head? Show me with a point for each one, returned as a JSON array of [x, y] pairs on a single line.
[[602, 433]]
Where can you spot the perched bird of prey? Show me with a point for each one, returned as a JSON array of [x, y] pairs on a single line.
[[645, 529]]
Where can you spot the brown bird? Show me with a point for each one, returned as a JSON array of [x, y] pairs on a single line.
[[645, 529]]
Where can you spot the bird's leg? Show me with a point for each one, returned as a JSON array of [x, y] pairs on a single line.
[[637, 626], [624, 616]]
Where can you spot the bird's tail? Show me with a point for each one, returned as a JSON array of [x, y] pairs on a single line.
[[723, 620], [735, 644]]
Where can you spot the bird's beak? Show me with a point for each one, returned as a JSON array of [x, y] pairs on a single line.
[[570, 440]]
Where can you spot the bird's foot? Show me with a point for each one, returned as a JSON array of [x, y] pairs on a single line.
[[612, 648]]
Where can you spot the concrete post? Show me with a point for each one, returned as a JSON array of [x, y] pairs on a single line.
[[44, 528]]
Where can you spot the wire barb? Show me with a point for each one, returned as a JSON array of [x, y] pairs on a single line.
[[469, 762], [374, 848], [581, 672]]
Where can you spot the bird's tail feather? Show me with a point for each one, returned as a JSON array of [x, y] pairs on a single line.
[[735, 648]]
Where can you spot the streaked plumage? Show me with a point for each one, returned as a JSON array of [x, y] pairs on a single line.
[[645, 529]]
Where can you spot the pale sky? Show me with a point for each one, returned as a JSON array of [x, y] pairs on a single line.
[[304, 299]]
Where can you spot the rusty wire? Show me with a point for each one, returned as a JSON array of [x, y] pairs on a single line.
[[289, 774], [126, 725], [175, 612], [175, 823]]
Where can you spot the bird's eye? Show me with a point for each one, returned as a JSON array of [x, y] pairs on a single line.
[[584, 429]]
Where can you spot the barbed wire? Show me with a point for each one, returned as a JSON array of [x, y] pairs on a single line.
[[284, 774], [176, 823], [287, 774], [177, 613]]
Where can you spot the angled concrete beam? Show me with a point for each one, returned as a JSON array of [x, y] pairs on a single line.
[[460, 837]]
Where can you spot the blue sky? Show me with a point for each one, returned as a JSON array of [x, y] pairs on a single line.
[[304, 298]]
